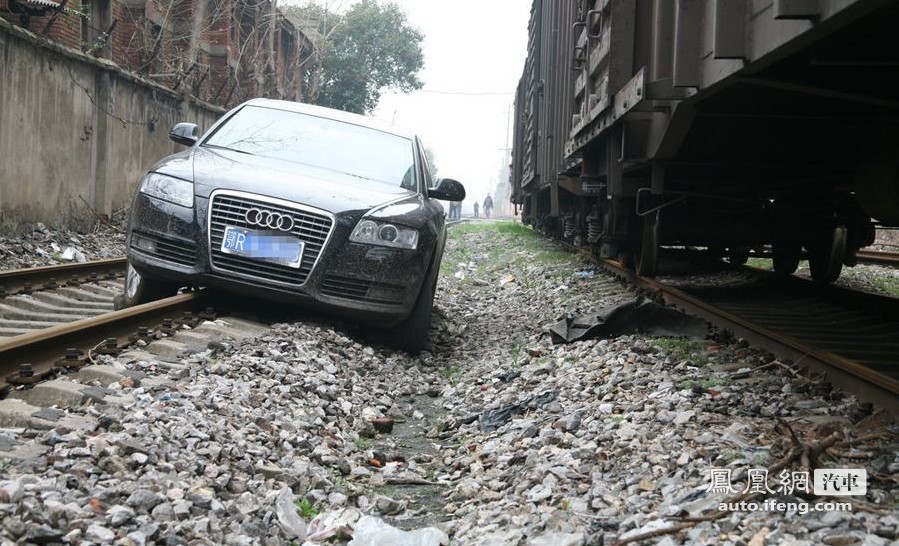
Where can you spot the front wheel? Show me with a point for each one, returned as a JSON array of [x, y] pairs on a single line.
[[411, 334], [738, 255], [140, 289], [647, 257], [826, 254], [786, 258]]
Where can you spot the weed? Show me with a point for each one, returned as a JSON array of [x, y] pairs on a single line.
[[550, 257], [760, 263], [705, 384], [467, 228], [517, 353], [682, 348], [453, 374], [337, 479], [888, 285], [307, 511], [732, 456], [514, 228], [363, 443]]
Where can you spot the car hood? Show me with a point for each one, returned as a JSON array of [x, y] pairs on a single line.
[[328, 190]]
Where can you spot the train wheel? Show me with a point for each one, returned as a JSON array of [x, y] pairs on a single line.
[[786, 258], [647, 257], [715, 253], [737, 255], [825, 256], [626, 258]]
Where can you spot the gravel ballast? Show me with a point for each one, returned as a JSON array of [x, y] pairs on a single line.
[[606, 441]]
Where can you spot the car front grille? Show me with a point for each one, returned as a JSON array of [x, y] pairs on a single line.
[[358, 290], [179, 252], [229, 210]]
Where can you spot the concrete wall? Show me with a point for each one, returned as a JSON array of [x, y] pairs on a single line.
[[75, 130]]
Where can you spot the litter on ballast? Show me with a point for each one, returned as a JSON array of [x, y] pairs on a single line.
[[491, 420], [372, 531], [637, 315]]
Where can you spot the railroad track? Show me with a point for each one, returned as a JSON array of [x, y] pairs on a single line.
[[43, 297], [850, 337], [59, 318], [876, 257], [29, 358]]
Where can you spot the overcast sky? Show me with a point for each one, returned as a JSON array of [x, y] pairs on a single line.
[[474, 49]]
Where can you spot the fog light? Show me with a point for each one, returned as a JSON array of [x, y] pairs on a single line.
[[385, 293], [147, 245]]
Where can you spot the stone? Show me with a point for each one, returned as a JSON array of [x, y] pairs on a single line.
[[144, 500], [98, 533], [118, 515], [387, 506], [840, 540], [557, 539]]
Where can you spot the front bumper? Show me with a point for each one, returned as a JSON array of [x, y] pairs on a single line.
[[366, 283]]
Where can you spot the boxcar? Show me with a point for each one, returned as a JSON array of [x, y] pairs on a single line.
[[724, 125]]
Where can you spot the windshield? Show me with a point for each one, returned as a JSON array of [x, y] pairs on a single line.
[[319, 142]]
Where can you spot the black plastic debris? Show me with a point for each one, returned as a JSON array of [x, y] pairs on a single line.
[[638, 315], [509, 376], [491, 420]]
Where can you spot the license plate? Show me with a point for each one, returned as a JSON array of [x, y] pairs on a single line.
[[267, 246]]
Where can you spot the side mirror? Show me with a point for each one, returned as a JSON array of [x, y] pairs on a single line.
[[185, 133], [448, 190]]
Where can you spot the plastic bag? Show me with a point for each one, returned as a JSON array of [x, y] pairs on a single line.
[[331, 524], [371, 531], [291, 522]]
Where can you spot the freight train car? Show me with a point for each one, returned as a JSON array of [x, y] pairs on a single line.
[[724, 125]]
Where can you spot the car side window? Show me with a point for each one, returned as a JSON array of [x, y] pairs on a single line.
[[408, 182]]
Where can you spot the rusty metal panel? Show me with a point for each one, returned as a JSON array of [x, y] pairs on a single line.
[[558, 90], [516, 172], [796, 9], [687, 42], [730, 29], [603, 58], [545, 96], [532, 91]]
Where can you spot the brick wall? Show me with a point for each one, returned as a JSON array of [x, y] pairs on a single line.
[[213, 50]]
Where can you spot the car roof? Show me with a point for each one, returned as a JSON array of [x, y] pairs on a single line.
[[331, 113]]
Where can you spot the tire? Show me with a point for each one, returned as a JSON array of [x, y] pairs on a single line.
[[825, 256], [411, 334], [140, 289], [647, 257], [786, 258]]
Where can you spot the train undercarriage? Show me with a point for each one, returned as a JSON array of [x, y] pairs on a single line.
[[793, 153]]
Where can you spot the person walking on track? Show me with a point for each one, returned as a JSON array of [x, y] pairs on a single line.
[[488, 205]]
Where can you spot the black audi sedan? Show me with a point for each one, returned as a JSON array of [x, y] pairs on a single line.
[[296, 203]]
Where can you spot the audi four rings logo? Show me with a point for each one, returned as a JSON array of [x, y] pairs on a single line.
[[269, 219]]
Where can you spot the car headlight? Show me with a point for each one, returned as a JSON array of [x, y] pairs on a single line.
[[374, 233], [173, 190]]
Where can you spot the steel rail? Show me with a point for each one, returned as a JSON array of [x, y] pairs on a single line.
[[851, 376], [43, 348], [871, 256], [15, 280]]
